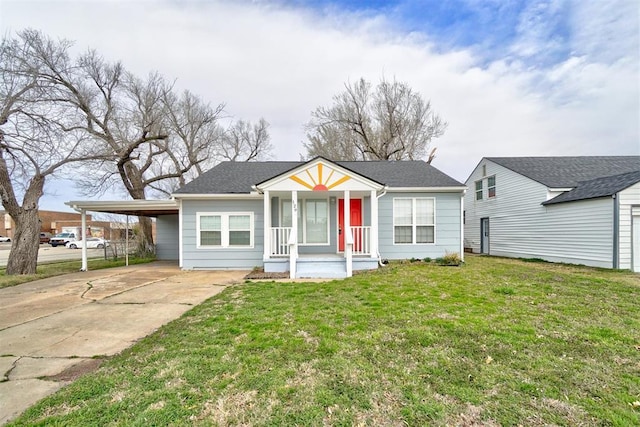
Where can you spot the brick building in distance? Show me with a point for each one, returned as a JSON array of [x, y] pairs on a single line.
[[54, 222]]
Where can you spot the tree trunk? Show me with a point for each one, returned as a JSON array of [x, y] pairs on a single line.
[[23, 258], [146, 236]]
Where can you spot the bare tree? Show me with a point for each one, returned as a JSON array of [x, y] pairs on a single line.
[[390, 122], [244, 141], [36, 135], [194, 139]]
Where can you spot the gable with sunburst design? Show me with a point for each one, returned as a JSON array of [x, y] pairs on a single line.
[[320, 177]]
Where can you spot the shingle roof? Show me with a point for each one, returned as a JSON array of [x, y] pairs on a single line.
[[567, 172], [239, 177], [599, 187]]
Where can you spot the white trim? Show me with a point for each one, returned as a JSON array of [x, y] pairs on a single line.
[[374, 224], [224, 230], [98, 205], [413, 221], [426, 189], [560, 189], [266, 214], [180, 235], [251, 195], [461, 227]]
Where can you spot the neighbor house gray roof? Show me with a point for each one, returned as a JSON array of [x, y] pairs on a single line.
[[239, 177], [567, 172], [599, 187]]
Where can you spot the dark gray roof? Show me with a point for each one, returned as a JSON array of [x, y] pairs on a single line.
[[567, 172], [239, 177], [599, 187]]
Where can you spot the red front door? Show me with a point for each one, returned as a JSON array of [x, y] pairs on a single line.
[[355, 219]]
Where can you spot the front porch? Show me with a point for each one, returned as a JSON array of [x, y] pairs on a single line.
[[320, 221]]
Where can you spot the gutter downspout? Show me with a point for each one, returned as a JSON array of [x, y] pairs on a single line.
[[384, 191], [616, 231]]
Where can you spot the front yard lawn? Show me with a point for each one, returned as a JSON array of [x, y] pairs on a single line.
[[494, 342]]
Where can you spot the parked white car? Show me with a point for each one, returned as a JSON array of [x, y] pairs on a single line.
[[4, 239], [92, 243]]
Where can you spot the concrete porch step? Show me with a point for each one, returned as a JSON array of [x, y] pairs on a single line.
[[321, 268]]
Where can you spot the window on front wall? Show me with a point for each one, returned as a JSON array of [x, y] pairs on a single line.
[[491, 186], [313, 220], [225, 230], [479, 190], [413, 220]]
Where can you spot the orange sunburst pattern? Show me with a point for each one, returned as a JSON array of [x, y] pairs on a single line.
[[320, 178]]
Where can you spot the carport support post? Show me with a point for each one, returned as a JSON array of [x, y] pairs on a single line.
[[83, 215]]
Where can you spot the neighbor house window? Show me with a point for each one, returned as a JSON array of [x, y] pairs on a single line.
[[225, 230], [313, 220], [491, 186], [414, 220], [479, 190]]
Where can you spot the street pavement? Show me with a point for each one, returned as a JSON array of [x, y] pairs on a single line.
[[52, 326], [47, 253]]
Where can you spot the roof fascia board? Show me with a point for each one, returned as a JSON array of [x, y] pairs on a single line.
[[560, 189], [122, 204], [426, 189], [252, 195]]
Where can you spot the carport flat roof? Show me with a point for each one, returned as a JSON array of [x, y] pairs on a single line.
[[127, 207]]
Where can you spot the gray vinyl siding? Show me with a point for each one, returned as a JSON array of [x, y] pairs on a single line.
[[578, 232], [627, 199], [168, 239], [222, 258], [447, 227]]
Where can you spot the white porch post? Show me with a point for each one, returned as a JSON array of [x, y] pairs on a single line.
[[374, 224], [293, 237], [83, 216], [267, 224], [348, 237]]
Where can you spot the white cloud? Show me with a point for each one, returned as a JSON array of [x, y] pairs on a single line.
[[264, 60]]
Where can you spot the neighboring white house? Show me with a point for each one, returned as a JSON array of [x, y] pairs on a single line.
[[291, 216], [578, 210]]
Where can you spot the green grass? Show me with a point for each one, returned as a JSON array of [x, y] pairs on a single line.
[[494, 342], [45, 270]]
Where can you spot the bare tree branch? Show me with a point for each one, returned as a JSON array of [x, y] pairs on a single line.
[[390, 122]]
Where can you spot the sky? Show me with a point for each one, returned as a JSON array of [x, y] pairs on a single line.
[[511, 78]]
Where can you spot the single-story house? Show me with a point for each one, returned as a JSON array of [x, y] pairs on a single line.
[[313, 219], [578, 210]]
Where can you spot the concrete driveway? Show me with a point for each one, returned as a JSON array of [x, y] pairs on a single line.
[[53, 329]]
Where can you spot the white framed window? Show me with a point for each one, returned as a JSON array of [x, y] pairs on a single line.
[[479, 190], [224, 229], [491, 187], [414, 221], [313, 220]]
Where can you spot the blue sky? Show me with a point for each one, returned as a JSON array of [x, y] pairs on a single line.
[[512, 78]]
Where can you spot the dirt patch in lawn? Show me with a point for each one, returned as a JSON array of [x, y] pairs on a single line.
[[259, 274], [76, 371]]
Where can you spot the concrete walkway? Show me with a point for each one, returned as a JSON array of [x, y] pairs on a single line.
[[52, 330]]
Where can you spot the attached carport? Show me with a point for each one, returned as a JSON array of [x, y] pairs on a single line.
[[167, 209]]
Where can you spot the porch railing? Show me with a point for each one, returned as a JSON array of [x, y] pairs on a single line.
[[280, 241], [361, 240]]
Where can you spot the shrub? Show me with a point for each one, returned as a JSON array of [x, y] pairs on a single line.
[[450, 258], [427, 259]]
